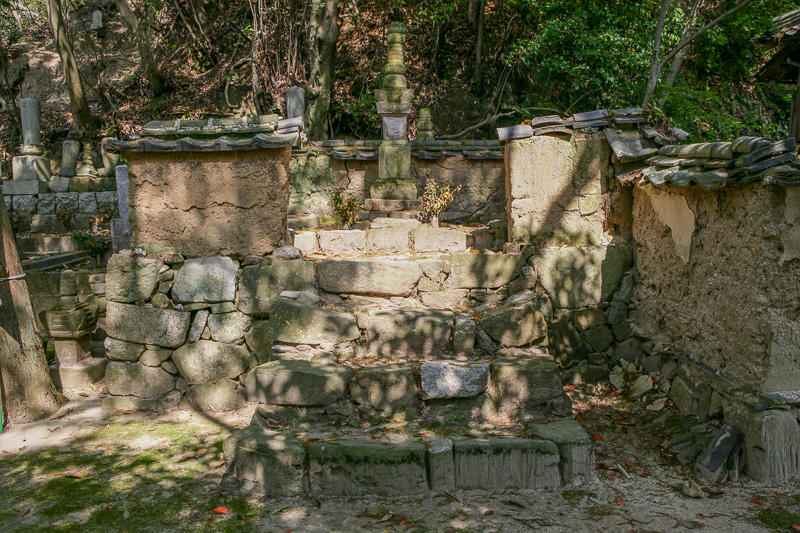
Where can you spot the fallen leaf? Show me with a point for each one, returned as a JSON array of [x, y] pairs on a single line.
[[756, 501], [620, 502], [221, 510], [385, 518], [597, 437], [126, 514], [26, 513], [645, 474], [796, 527]]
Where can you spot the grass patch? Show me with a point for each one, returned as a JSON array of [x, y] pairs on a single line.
[[779, 518], [576, 495]]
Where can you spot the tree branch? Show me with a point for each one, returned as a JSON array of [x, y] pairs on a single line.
[[484, 122]]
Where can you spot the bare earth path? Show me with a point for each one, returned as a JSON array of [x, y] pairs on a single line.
[[90, 470]]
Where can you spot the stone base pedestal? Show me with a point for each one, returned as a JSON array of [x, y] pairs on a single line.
[[71, 351], [81, 184], [12, 187], [394, 189], [377, 204], [30, 168], [394, 160], [80, 375]]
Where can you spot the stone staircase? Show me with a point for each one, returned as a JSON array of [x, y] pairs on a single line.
[[373, 330]]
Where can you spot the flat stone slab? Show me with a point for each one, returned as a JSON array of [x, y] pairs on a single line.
[[427, 239], [409, 331], [208, 361], [264, 463], [577, 465], [208, 280], [209, 397], [483, 271], [582, 276], [229, 327], [339, 242], [260, 287], [382, 278], [388, 240], [506, 463], [351, 467], [515, 324], [298, 323], [385, 390], [293, 382], [147, 325], [523, 383], [133, 379], [441, 476], [132, 279], [453, 380]]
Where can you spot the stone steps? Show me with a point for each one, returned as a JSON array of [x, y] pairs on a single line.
[[264, 462]]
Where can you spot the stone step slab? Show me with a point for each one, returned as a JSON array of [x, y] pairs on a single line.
[[409, 332], [297, 323], [483, 271], [506, 463], [339, 242], [261, 286], [352, 467], [264, 463], [515, 324], [385, 390], [523, 384], [208, 280], [147, 325], [444, 379], [381, 278], [577, 465], [207, 361], [296, 382], [428, 239], [389, 240]]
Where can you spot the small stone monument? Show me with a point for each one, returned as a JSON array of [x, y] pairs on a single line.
[[394, 190], [121, 227], [70, 325], [425, 125], [70, 151], [30, 172], [295, 102], [85, 174], [97, 20], [110, 159]]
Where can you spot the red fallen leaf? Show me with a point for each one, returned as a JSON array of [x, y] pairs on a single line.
[[627, 463], [109, 506], [597, 437], [70, 469], [645, 474], [654, 380], [769, 492], [26, 513], [796, 527], [633, 531], [4, 451], [620, 502], [612, 474], [221, 510], [402, 523], [600, 466], [700, 517], [756, 501]]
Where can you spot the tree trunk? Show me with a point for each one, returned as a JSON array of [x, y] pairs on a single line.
[[677, 61], [655, 71], [26, 391], [155, 81], [323, 34], [82, 117], [479, 44]]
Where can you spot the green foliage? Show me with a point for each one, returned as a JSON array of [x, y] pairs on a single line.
[[436, 197], [93, 245], [778, 518], [344, 206], [65, 216]]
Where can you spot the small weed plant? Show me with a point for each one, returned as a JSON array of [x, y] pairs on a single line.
[[436, 197], [344, 205]]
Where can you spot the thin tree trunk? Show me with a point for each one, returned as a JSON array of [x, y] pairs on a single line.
[[155, 81], [26, 391], [82, 117], [479, 44], [652, 79], [323, 34], [677, 61]]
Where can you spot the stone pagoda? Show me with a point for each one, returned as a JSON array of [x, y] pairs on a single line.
[[394, 190]]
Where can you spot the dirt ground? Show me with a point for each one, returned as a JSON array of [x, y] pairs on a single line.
[[86, 469]]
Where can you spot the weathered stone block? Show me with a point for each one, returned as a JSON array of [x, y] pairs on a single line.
[[294, 382], [386, 390], [211, 397], [46, 204], [259, 341], [409, 331], [387, 240], [588, 318], [132, 279], [122, 351], [208, 279], [338, 242], [106, 202], [506, 463], [599, 338], [483, 271], [523, 383], [298, 323], [162, 327], [198, 325], [307, 242], [208, 361], [260, 287], [444, 299], [386, 278], [453, 380], [87, 203], [565, 343], [427, 239], [264, 463], [154, 357], [440, 465], [25, 203], [516, 324], [577, 464], [464, 335], [29, 187], [350, 467], [133, 379], [229, 327], [30, 168], [583, 276]]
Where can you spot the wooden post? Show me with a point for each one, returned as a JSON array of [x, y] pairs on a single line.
[[27, 391], [794, 125]]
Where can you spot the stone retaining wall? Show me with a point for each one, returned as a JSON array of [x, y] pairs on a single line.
[[49, 213]]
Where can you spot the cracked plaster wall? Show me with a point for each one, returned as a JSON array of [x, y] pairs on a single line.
[[482, 181], [208, 204], [727, 292]]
